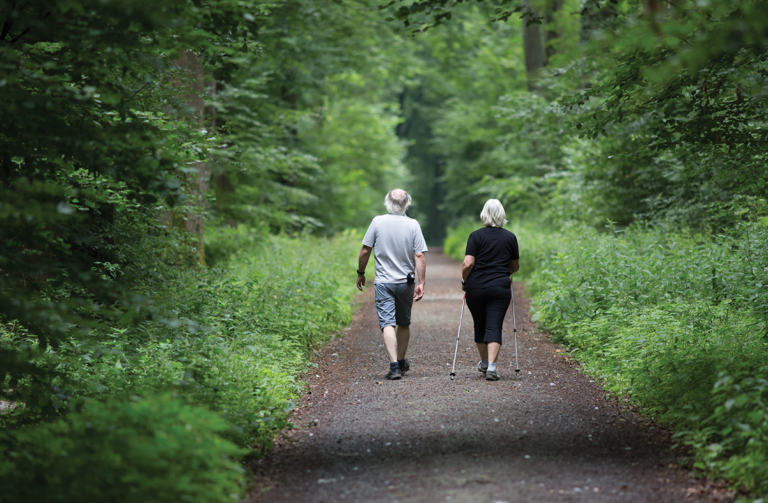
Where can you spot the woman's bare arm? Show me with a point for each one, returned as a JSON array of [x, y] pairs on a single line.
[[467, 266]]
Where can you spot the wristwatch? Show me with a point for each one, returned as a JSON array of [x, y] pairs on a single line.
[[462, 282], [362, 273]]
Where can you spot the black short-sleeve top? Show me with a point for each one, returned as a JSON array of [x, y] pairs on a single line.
[[493, 248]]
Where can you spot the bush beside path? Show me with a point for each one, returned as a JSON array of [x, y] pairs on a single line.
[[548, 434]]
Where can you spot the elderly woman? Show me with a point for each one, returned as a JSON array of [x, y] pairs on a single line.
[[491, 257]]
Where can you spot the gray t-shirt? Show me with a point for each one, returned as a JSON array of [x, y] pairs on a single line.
[[395, 240]]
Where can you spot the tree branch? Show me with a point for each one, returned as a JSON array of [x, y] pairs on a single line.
[[7, 24], [13, 41]]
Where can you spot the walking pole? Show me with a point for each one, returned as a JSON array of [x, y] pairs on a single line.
[[514, 325], [461, 318]]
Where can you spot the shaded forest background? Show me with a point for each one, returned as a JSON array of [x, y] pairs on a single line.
[[182, 185]]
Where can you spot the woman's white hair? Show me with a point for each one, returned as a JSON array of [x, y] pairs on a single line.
[[493, 214], [397, 201]]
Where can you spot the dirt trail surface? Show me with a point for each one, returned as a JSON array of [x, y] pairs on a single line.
[[547, 434]]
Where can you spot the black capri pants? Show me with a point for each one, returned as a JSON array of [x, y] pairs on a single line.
[[488, 307]]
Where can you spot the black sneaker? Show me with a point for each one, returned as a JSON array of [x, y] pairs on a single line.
[[492, 375], [482, 368], [394, 373], [405, 366]]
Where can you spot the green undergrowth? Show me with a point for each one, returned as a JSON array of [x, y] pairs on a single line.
[[677, 322], [136, 451], [212, 378]]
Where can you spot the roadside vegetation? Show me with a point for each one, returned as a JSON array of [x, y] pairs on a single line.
[[677, 322], [167, 407], [175, 189]]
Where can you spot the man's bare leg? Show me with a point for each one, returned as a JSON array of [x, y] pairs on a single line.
[[390, 342], [403, 336]]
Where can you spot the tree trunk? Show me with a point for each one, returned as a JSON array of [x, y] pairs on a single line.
[[223, 186], [533, 48], [195, 82], [551, 32]]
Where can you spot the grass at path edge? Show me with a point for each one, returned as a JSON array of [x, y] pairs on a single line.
[[163, 411]]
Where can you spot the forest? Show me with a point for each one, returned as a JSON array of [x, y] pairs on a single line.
[[184, 185]]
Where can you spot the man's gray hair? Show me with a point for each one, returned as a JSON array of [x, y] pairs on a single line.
[[397, 201], [493, 214]]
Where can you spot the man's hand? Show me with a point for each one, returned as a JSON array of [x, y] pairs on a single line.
[[362, 263], [418, 292], [421, 273]]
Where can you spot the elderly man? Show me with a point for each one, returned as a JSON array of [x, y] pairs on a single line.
[[399, 260]]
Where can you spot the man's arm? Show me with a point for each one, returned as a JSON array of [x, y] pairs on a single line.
[[362, 263], [466, 268], [514, 266], [421, 271]]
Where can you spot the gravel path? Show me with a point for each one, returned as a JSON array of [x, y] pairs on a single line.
[[545, 435]]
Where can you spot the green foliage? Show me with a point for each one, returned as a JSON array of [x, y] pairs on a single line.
[[652, 119], [256, 318], [361, 156], [100, 294], [676, 321], [155, 449], [455, 244], [227, 344], [89, 155], [680, 100], [643, 113], [311, 120], [509, 163], [222, 242], [447, 103], [738, 426]]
